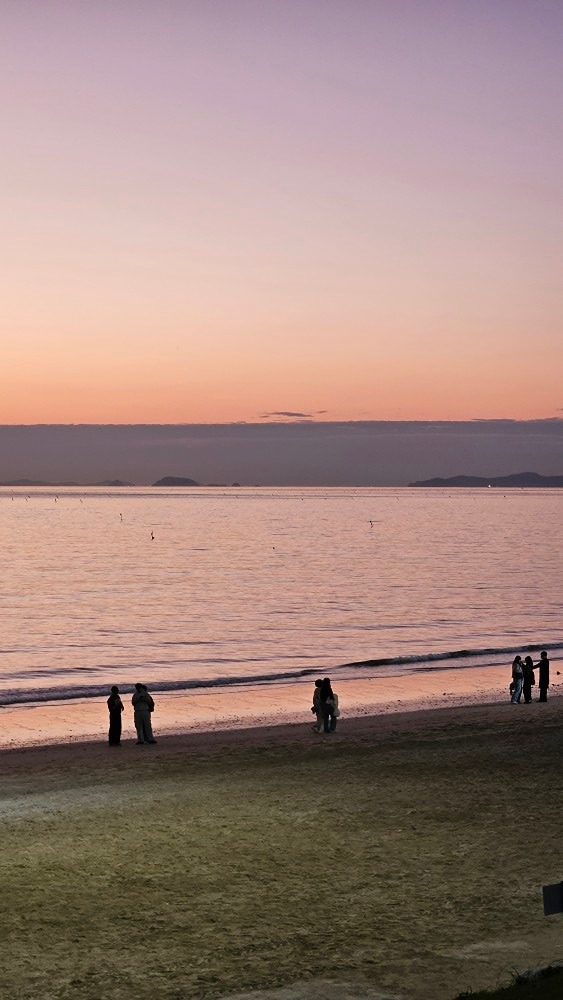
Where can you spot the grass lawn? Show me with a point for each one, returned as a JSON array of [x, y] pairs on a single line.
[[406, 853], [547, 987]]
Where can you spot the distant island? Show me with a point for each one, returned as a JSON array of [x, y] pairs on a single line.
[[41, 482], [175, 481], [518, 480], [111, 483], [184, 481]]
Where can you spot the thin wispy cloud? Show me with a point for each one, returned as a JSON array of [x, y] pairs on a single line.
[[292, 415]]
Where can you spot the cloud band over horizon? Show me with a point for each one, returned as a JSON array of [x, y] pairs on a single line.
[[347, 453]]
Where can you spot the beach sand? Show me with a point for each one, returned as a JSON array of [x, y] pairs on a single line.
[[402, 856], [242, 706]]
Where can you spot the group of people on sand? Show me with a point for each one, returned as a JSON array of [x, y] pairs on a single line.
[[143, 707], [325, 706], [325, 700], [524, 678]]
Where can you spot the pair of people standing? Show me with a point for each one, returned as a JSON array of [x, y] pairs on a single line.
[[523, 678], [325, 706], [143, 706]]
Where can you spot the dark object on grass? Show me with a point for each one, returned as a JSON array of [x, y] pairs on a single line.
[[552, 899]]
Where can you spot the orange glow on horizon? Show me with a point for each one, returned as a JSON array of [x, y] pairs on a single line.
[[204, 221]]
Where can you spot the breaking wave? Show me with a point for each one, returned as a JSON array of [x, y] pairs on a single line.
[[453, 659]]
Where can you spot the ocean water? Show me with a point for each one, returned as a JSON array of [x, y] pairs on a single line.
[[197, 587]]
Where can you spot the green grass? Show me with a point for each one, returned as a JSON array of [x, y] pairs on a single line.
[[546, 987], [411, 862]]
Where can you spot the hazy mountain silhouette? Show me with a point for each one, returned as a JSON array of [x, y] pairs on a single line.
[[518, 479], [175, 481], [41, 482]]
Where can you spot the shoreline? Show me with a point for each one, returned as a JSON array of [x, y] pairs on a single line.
[[259, 707], [81, 769]]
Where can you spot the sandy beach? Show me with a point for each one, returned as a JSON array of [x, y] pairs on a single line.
[[243, 706], [402, 856]]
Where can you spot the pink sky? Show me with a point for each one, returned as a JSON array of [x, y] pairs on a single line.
[[216, 210]]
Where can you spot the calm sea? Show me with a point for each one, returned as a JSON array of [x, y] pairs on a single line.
[[180, 588]]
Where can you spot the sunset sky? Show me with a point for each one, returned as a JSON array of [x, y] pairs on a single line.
[[240, 210]]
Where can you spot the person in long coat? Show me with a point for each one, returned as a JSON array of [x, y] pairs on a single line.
[[543, 680], [329, 706], [115, 708]]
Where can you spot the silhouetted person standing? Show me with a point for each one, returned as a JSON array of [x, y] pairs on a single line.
[[543, 680], [517, 679], [316, 707], [143, 705], [329, 705], [529, 679], [115, 707]]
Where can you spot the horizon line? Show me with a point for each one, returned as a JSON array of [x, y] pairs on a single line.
[[294, 423]]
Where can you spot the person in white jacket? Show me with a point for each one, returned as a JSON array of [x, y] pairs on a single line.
[[517, 680], [143, 705]]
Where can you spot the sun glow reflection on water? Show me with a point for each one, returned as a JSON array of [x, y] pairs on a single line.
[[254, 582]]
